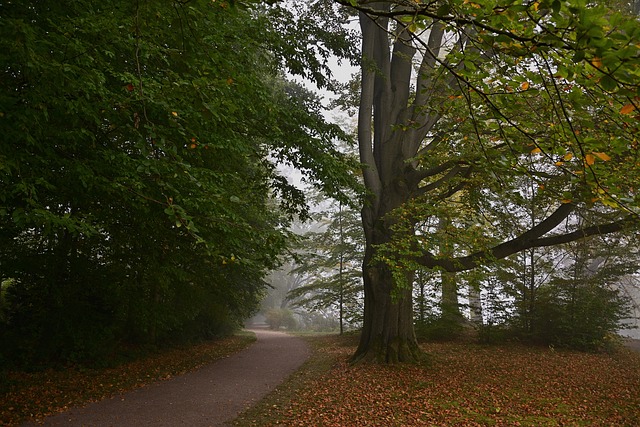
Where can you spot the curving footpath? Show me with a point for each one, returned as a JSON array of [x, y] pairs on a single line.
[[210, 396]]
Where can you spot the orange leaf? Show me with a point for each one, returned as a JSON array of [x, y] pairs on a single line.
[[589, 159], [524, 86], [627, 109], [602, 156], [536, 150], [568, 156]]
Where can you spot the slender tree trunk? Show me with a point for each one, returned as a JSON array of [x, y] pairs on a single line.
[[340, 273], [421, 281], [450, 305], [475, 303]]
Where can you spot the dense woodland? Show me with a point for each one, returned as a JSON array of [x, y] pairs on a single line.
[[142, 201]]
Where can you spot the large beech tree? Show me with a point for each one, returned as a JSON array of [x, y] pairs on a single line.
[[458, 99]]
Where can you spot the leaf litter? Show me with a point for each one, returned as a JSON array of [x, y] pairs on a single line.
[[35, 395], [465, 384]]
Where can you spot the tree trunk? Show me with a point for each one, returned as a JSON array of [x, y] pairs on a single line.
[[475, 303], [387, 334], [450, 305], [421, 282]]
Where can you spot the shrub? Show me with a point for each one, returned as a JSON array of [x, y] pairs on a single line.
[[278, 318], [582, 316]]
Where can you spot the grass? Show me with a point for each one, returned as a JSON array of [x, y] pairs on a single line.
[[35, 395], [461, 385]]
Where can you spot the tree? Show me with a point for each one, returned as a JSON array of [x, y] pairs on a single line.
[[331, 261], [568, 66], [140, 198]]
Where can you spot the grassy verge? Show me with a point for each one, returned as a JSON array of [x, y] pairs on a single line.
[[34, 395], [462, 385]]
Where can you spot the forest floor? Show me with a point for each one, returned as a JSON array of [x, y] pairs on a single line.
[[202, 385], [32, 396], [459, 384]]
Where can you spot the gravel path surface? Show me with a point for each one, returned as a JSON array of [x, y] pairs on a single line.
[[209, 396]]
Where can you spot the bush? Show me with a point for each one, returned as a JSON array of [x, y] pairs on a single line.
[[581, 316], [445, 328], [278, 318]]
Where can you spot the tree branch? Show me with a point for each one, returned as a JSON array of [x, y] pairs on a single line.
[[455, 169], [531, 239]]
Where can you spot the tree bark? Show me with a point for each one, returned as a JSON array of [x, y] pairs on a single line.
[[387, 334], [475, 304], [450, 305]]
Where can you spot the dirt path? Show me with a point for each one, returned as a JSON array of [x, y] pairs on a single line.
[[209, 396]]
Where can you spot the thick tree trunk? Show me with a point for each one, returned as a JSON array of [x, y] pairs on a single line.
[[387, 334]]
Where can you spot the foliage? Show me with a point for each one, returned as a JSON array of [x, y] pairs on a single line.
[[581, 316], [278, 318], [569, 297], [463, 101], [461, 385], [140, 201], [439, 328]]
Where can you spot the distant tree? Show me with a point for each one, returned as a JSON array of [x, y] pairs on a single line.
[[331, 261], [521, 290]]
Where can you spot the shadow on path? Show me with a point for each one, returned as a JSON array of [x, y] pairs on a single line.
[[209, 396]]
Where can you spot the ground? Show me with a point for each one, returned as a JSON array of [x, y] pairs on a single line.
[[209, 396]]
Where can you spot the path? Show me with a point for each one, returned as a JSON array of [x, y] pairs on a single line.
[[209, 396], [632, 344]]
